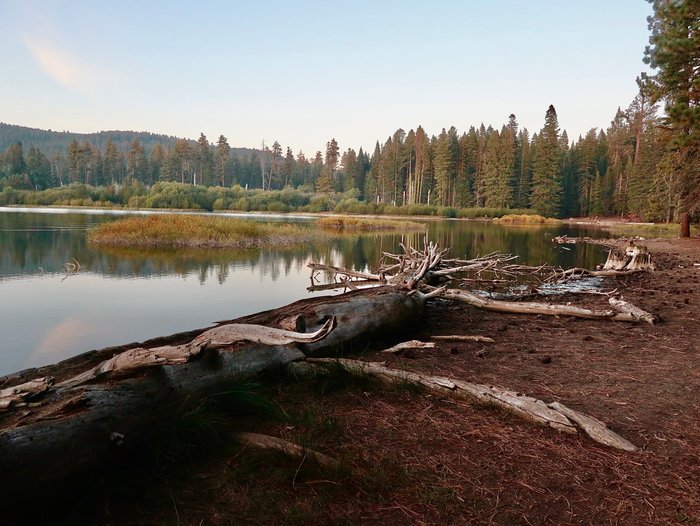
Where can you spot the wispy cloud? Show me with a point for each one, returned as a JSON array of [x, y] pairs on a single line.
[[67, 69]]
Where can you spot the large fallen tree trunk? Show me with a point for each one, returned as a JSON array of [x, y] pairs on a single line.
[[89, 419]]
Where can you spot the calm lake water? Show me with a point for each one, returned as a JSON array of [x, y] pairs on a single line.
[[123, 295]]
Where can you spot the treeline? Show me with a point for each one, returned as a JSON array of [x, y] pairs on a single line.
[[624, 170], [50, 142]]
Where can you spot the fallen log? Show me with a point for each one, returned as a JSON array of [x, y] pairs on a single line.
[[617, 313], [554, 415], [95, 417]]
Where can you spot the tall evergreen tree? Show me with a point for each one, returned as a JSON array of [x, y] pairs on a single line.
[[223, 155], [324, 183], [674, 51], [546, 192], [205, 162]]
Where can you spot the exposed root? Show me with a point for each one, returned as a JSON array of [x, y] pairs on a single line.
[[286, 447]]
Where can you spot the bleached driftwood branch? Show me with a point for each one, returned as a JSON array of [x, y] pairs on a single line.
[[19, 395], [553, 415], [411, 344], [286, 447], [621, 311], [463, 338], [222, 335]]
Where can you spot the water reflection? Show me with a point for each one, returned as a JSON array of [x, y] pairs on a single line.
[[123, 295]]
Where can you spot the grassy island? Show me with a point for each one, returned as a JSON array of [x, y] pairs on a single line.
[[196, 231], [175, 231]]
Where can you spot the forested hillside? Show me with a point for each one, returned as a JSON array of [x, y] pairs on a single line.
[[616, 170]]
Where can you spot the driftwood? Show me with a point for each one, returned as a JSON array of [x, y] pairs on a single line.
[[411, 344], [20, 395], [288, 448], [621, 311], [554, 415], [140, 358], [463, 338]]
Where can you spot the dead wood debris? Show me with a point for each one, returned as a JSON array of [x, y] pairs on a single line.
[[554, 414], [411, 344], [287, 447]]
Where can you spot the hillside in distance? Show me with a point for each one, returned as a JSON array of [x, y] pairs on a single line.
[[50, 142]]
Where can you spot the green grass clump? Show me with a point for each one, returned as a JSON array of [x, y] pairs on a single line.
[[525, 219], [175, 231], [366, 225]]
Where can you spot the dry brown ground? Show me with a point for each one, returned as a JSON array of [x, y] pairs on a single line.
[[413, 457]]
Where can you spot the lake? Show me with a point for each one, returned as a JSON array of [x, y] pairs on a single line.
[[122, 295]]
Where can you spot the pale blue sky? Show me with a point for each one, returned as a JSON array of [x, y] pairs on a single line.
[[303, 72]]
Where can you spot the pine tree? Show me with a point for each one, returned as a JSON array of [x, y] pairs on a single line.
[[674, 51], [111, 160], [446, 151], [223, 155], [14, 159], [372, 179], [205, 162], [324, 183], [137, 163], [289, 166], [546, 192], [522, 190], [350, 170], [38, 168]]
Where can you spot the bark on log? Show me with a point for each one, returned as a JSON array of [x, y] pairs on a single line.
[[361, 316], [85, 428], [223, 335], [554, 414]]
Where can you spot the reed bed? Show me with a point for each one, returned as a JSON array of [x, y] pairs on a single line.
[[525, 219], [355, 224]]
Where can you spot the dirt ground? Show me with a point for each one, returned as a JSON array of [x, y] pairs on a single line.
[[415, 457]]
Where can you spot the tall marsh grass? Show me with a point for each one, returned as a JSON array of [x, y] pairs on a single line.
[[174, 231], [355, 224], [525, 219]]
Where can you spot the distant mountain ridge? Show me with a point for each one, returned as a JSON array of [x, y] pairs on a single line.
[[50, 142]]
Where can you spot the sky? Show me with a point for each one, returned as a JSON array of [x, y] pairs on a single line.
[[303, 72]]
